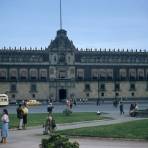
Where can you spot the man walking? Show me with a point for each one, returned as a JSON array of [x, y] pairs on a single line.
[[121, 108], [20, 116]]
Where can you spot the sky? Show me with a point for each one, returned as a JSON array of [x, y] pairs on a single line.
[[89, 23]]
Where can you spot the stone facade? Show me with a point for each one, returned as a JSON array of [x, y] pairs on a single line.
[[61, 71]]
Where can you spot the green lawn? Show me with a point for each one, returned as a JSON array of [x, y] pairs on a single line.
[[38, 119], [129, 130]]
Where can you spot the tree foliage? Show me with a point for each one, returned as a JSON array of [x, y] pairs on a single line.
[[58, 141]]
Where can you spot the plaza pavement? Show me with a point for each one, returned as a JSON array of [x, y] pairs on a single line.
[[31, 138]]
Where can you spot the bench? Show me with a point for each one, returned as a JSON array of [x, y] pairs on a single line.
[[142, 113]]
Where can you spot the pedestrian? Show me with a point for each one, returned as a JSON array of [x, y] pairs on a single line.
[[121, 108], [50, 108], [136, 106], [67, 103], [25, 114], [98, 101], [115, 102], [71, 103], [132, 110], [74, 101], [102, 99], [20, 116], [83, 100], [49, 125], [5, 129], [136, 109]]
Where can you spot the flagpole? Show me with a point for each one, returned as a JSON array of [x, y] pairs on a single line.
[[60, 14]]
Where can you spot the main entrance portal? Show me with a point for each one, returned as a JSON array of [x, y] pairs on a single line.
[[62, 94]]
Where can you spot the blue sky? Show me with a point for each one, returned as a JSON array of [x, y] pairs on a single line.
[[90, 23]]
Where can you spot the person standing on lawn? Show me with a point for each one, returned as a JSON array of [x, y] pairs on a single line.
[[25, 114], [20, 116], [5, 128]]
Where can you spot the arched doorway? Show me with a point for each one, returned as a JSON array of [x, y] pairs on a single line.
[[62, 94]]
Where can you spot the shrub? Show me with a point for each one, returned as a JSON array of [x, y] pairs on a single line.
[[67, 112], [58, 141], [44, 143]]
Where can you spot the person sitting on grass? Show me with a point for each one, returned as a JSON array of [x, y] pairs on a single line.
[[133, 110]]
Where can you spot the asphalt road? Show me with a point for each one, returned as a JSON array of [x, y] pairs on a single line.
[[81, 107]]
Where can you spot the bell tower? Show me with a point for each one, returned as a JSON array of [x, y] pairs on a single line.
[[62, 62], [61, 50]]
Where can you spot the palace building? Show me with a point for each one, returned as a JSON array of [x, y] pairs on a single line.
[[61, 71]]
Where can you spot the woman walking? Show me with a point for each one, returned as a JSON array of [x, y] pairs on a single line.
[[4, 130]]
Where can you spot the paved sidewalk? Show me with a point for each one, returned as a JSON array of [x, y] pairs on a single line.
[[31, 137], [116, 120]]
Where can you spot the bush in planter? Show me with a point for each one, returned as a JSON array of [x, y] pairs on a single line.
[[58, 141], [67, 112]]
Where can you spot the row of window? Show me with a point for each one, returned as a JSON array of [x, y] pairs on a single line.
[[64, 76], [110, 78], [42, 74], [109, 74], [114, 60], [13, 88], [21, 59], [23, 74], [34, 74], [102, 94], [14, 96], [102, 87]]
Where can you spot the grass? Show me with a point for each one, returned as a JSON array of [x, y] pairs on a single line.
[[129, 130], [39, 118]]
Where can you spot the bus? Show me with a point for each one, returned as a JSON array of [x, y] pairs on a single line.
[[4, 101]]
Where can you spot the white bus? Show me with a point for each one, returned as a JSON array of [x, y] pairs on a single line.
[[4, 101]]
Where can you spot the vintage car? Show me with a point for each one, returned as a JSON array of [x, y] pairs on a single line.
[[32, 102], [4, 101]]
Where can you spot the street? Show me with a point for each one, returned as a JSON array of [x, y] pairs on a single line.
[[106, 107]]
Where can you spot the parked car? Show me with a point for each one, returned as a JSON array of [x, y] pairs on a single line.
[[32, 102], [4, 101]]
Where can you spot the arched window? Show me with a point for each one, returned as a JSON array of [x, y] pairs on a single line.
[[33, 74], [94, 74], [123, 74], [132, 74], [140, 74], [110, 74], [13, 74], [80, 74], [43, 74], [23, 74], [3, 74], [102, 74]]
